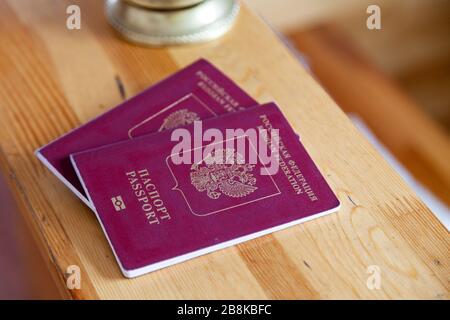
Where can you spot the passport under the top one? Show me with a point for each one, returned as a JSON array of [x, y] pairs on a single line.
[[196, 92], [161, 202]]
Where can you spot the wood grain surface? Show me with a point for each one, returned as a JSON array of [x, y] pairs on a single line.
[[53, 79]]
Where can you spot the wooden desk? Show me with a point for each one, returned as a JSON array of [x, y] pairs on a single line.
[[53, 79]]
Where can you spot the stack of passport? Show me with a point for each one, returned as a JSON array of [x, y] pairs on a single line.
[[191, 165]]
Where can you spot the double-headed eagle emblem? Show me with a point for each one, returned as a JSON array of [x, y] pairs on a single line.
[[179, 118], [223, 172]]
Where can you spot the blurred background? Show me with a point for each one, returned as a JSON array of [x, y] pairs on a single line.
[[394, 83], [412, 48]]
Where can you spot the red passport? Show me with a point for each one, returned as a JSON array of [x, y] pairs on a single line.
[[161, 202], [198, 91]]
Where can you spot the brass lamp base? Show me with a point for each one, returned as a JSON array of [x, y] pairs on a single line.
[[204, 21]]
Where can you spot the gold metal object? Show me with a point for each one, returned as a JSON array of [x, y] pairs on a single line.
[[164, 4], [147, 22]]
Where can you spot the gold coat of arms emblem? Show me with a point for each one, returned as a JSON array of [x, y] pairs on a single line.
[[223, 172], [179, 118]]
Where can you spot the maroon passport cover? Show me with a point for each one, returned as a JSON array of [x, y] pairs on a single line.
[[156, 213], [198, 91]]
